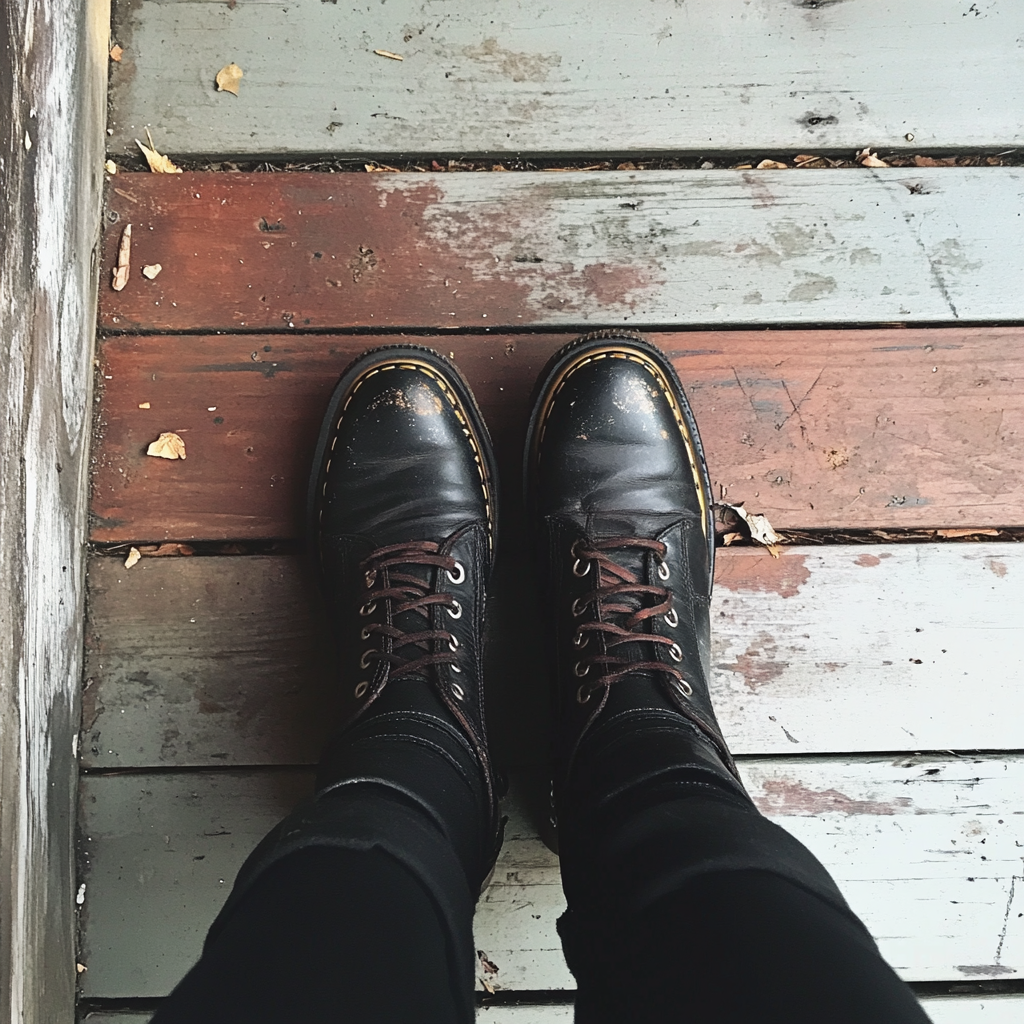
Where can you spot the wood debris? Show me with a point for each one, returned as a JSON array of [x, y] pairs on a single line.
[[965, 532], [134, 555], [771, 165], [228, 78], [80, 968], [158, 163], [380, 169], [489, 966], [759, 528], [110, 167], [805, 159], [151, 270], [868, 159], [389, 54], [166, 550], [167, 446], [143, 405], [116, 52], [124, 257]]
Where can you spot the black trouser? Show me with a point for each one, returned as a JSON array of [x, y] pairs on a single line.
[[693, 908]]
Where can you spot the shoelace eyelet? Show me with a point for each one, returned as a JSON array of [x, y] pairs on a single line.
[[684, 687], [576, 568], [455, 668], [459, 575], [371, 578], [675, 652], [581, 639], [453, 642], [671, 619], [663, 571], [583, 694], [364, 633], [368, 609], [576, 669], [577, 611], [457, 692], [457, 613], [363, 663], [361, 689]]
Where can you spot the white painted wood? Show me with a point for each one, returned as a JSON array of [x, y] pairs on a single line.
[[850, 648], [1005, 1009], [581, 76], [927, 851], [557, 1014], [53, 82]]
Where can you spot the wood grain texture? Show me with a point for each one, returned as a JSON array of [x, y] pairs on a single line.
[[53, 86], [869, 429], [476, 250], [220, 660], [925, 849], [541, 77]]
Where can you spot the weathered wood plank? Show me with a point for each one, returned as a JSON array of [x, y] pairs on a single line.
[[708, 75], [492, 250], [203, 661], [926, 850], [53, 62], [867, 428]]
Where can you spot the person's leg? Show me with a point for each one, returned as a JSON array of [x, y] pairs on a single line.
[[358, 907], [664, 857]]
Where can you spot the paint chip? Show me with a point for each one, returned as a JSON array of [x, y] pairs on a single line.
[[80, 898], [167, 446], [389, 54], [124, 256], [228, 78], [81, 968], [110, 167], [151, 270], [134, 555], [115, 53], [158, 163], [143, 405]]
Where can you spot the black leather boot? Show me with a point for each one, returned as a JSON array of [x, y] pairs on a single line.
[[618, 487]]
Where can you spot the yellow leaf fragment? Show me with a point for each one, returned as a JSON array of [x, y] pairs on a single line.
[[151, 270], [115, 53], [124, 258], [134, 555], [228, 78], [389, 54], [143, 405], [167, 446], [868, 159], [158, 163], [110, 167], [771, 165]]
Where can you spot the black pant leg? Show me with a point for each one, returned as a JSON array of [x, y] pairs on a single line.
[[327, 935], [697, 908]]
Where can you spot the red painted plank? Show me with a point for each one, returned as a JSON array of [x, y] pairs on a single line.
[[841, 429]]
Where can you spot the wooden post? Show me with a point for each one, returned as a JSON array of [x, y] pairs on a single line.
[[52, 112]]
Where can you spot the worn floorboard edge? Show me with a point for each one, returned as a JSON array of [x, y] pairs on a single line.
[[530, 77], [927, 850], [223, 660], [692, 248], [885, 428]]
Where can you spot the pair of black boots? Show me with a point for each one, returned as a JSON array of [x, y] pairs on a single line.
[[403, 517]]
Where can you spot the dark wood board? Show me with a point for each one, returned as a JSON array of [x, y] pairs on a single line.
[[879, 428], [473, 250], [223, 660]]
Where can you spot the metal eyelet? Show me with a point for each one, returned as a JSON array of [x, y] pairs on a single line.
[[457, 692], [371, 578], [455, 668], [583, 694], [576, 568], [453, 642], [361, 689], [364, 633], [675, 652], [671, 619], [460, 574], [663, 571], [363, 663], [457, 614], [581, 639], [684, 687], [576, 669], [577, 611], [368, 609]]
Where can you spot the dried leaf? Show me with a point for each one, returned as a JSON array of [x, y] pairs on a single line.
[[151, 270], [868, 159], [124, 257], [167, 446], [158, 163], [925, 161], [115, 53], [389, 54], [110, 167], [759, 527], [134, 555], [731, 538], [228, 78], [488, 987], [488, 965], [961, 532], [143, 405], [771, 165]]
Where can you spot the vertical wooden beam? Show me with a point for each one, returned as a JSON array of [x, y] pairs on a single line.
[[52, 110]]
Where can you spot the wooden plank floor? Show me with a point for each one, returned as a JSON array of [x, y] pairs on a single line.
[[576, 76]]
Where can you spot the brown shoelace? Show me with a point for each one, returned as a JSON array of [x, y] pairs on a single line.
[[409, 593], [620, 593]]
